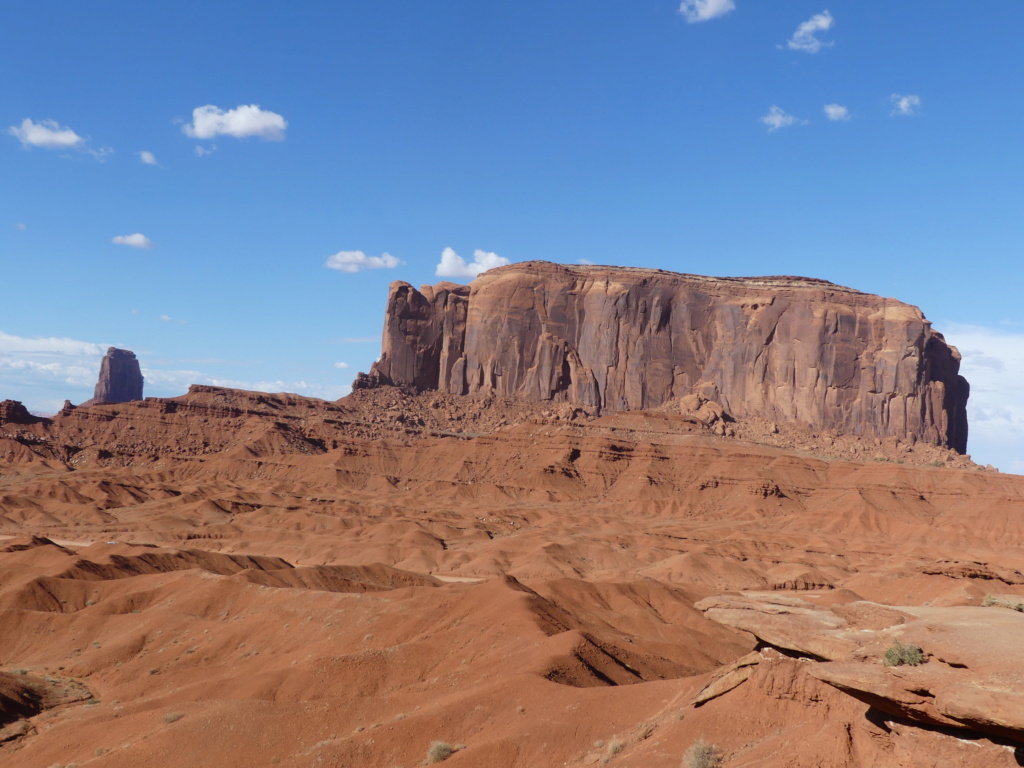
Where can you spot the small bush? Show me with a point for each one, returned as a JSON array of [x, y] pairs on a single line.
[[900, 654], [173, 717], [701, 754], [439, 752], [614, 747]]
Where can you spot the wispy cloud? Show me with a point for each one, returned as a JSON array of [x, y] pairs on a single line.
[[51, 358], [20, 227], [148, 158], [806, 36], [695, 11], [49, 134], [137, 240], [905, 106], [357, 261], [342, 366], [837, 112], [993, 363], [778, 118], [241, 122], [49, 345], [202, 151], [453, 265]]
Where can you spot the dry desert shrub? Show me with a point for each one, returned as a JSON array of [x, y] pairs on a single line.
[[899, 654], [614, 747], [173, 717], [701, 754], [439, 752]]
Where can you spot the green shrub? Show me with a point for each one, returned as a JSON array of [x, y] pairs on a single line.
[[701, 754], [900, 654]]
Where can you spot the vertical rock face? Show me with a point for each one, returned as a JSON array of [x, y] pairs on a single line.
[[120, 378], [780, 348]]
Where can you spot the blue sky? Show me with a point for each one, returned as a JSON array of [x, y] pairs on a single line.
[[877, 145]]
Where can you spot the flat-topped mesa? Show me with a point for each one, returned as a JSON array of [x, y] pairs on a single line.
[[620, 338], [120, 378]]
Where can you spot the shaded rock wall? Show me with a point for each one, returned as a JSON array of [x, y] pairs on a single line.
[[780, 348]]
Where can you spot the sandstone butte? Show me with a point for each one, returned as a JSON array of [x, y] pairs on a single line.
[[788, 349], [120, 379], [244, 579]]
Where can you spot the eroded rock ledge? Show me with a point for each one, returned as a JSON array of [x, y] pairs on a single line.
[[786, 349], [972, 678]]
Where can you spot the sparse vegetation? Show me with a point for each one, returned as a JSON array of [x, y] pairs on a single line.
[[173, 717], [614, 747], [439, 752], [899, 654], [702, 754], [1013, 605]]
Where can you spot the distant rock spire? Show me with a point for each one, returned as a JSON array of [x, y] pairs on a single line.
[[120, 378]]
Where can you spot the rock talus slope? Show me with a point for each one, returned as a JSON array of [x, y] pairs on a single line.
[[120, 379], [780, 348]]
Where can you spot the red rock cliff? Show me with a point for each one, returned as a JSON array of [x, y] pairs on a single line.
[[781, 348]]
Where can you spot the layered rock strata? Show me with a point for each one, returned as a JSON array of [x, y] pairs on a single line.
[[786, 349], [120, 379]]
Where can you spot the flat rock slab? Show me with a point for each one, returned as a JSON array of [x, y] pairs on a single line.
[[973, 675]]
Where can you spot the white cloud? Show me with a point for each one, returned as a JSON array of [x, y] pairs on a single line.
[[148, 158], [20, 227], [905, 105], [993, 363], [138, 240], [704, 10], [241, 122], [50, 345], [342, 366], [837, 112], [585, 262], [805, 38], [453, 265], [47, 134], [357, 261], [30, 363], [202, 151], [166, 318], [778, 118]]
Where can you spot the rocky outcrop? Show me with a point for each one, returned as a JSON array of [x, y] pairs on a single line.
[[14, 412], [971, 677], [785, 349], [120, 378]]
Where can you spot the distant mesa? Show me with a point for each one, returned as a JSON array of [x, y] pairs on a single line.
[[14, 412], [785, 349], [120, 378]]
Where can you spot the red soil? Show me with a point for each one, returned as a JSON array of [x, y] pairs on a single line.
[[236, 579]]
